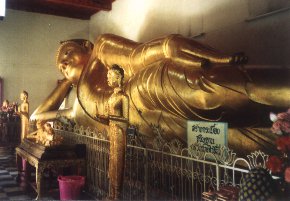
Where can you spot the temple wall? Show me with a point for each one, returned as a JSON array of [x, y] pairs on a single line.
[[28, 43], [227, 25]]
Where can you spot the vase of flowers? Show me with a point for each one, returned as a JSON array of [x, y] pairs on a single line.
[[279, 165]]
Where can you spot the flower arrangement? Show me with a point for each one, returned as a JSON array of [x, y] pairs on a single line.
[[280, 165]]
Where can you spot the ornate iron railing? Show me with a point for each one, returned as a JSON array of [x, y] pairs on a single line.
[[162, 170]]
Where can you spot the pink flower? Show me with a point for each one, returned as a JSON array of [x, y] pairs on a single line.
[[274, 164], [281, 126], [285, 116], [287, 175], [285, 126], [276, 128]]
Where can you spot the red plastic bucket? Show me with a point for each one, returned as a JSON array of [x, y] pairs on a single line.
[[70, 187]]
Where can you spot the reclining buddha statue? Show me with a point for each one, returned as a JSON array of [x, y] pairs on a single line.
[[169, 80]]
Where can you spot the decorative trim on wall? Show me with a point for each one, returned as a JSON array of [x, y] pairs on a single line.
[[202, 34], [249, 19]]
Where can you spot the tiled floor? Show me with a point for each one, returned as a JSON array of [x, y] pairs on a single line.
[[10, 189]]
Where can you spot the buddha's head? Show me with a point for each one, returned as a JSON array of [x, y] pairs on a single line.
[[72, 56], [23, 95], [115, 76]]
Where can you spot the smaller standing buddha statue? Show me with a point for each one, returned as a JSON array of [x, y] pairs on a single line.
[[23, 111], [117, 114]]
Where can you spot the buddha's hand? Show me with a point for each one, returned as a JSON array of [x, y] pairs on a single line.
[[33, 117], [102, 118]]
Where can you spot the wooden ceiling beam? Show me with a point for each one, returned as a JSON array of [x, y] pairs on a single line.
[[80, 9], [93, 4]]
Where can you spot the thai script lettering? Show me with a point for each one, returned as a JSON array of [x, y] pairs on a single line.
[[206, 129], [207, 144], [204, 140], [210, 136], [214, 149]]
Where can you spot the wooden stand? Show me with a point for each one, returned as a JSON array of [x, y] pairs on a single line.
[[43, 158]]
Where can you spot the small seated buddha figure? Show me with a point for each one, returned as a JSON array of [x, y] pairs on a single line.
[[45, 135]]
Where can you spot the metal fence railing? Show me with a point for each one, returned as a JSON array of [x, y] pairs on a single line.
[[161, 171]]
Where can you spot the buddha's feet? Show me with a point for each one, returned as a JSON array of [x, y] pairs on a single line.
[[239, 58]]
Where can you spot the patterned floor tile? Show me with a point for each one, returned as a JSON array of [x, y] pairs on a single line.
[[7, 183], [20, 197], [10, 189], [3, 171], [5, 177]]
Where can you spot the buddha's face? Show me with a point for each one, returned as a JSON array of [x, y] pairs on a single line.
[[22, 96], [48, 127], [71, 60], [39, 125], [113, 78]]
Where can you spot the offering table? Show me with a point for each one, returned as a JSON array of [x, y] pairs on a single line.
[[53, 158]]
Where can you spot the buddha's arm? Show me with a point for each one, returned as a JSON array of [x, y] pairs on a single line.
[[186, 50], [133, 57], [93, 90], [111, 49], [125, 107], [25, 110], [54, 100], [50, 115], [124, 111]]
